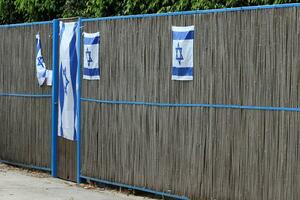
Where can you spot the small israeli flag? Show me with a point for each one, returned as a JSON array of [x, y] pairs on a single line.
[[41, 70], [68, 87], [91, 70], [183, 39]]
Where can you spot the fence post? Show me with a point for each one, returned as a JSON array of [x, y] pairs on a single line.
[[78, 87], [54, 103]]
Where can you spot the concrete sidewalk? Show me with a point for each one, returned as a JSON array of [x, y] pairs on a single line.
[[20, 184]]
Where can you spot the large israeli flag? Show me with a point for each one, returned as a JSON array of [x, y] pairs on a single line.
[[67, 81], [91, 70], [41, 70], [183, 39]]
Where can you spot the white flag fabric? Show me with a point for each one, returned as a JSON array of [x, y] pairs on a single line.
[[40, 64], [49, 77], [183, 39], [91, 70], [67, 117]]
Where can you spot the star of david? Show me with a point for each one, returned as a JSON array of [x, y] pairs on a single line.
[[66, 80], [40, 61], [179, 56], [88, 55]]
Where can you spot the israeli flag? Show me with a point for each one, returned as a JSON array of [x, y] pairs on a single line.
[[67, 81], [91, 70], [183, 39], [41, 70]]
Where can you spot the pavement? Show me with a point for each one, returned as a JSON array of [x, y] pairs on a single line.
[[22, 184]]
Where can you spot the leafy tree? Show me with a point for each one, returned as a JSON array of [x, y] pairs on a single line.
[[35, 10], [13, 11], [8, 13], [74, 8], [104, 8], [156, 6]]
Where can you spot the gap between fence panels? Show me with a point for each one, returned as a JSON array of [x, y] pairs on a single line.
[[105, 182]]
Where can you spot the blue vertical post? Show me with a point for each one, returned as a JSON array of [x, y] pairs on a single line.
[[78, 43], [54, 103]]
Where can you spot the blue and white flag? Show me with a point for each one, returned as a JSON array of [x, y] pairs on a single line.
[[49, 77], [91, 70], [68, 87], [183, 39], [41, 70]]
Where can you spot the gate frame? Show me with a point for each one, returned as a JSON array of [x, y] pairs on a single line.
[[54, 103], [78, 96]]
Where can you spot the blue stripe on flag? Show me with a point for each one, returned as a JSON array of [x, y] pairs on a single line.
[[91, 72], [38, 46], [61, 98], [92, 40], [182, 71], [73, 72], [186, 35]]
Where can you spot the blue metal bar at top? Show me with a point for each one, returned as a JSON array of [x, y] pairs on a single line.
[[245, 8], [78, 101], [54, 97], [192, 105], [24, 24]]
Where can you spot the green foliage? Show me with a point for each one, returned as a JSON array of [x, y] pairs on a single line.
[[35, 10], [13, 11], [74, 8], [108, 8], [8, 13]]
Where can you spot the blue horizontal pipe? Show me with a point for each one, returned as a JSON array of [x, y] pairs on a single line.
[[192, 105], [24, 24], [26, 95], [26, 166], [135, 188], [245, 8]]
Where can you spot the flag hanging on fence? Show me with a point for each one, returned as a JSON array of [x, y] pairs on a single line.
[[41, 70], [42, 73], [91, 70], [49, 77], [183, 39], [67, 117]]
